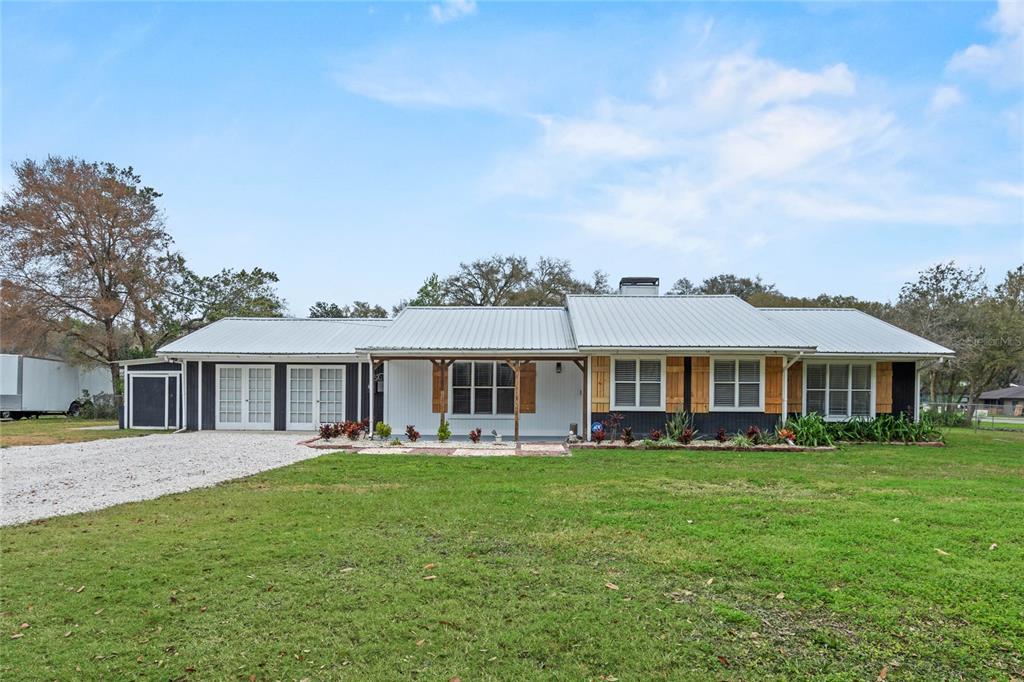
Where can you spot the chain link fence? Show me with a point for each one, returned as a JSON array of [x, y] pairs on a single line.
[[1008, 415]]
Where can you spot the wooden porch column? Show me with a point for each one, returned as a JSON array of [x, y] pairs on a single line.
[[374, 364], [442, 367], [584, 426], [516, 365]]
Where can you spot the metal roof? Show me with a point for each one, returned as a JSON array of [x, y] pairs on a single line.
[[683, 322], [485, 328], [851, 331], [279, 336], [1003, 393]]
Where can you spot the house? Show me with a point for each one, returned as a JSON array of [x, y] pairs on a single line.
[[1007, 401], [536, 371]]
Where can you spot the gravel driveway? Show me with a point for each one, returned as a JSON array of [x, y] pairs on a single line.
[[50, 480]]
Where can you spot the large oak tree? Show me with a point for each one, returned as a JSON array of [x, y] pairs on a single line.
[[83, 253]]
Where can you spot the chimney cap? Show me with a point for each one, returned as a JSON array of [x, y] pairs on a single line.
[[648, 281]]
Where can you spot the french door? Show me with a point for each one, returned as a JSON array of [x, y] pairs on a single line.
[[245, 397], [316, 395]]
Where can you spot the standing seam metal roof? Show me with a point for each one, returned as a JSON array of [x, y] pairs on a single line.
[[477, 329], [848, 330], [280, 336], [675, 322]]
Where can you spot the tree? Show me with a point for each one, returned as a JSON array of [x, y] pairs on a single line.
[[507, 281], [193, 301], [952, 306], [83, 246], [682, 287], [497, 280], [357, 309]]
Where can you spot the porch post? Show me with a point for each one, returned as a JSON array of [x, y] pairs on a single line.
[[584, 424], [369, 391], [516, 366]]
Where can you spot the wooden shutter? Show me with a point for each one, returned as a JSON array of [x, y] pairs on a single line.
[[773, 385], [674, 397], [528, 387], [439, 388], [883, 388], [700, 369], [795, 388], [601, 391]]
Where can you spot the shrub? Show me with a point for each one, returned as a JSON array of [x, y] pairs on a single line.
[[721, 436], [754, 434], [612, 423], [627, 435], [654, 435], [411, 433], [686, 437], [786, 434], [474, 435], [352, 430], [444, 431], [679, 422], [329, 431], [396, 441], [598, 435], [945, 418], [810, 430], [741, 440], [382, 430]]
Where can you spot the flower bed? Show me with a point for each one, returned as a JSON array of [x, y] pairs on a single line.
[[702, 445]]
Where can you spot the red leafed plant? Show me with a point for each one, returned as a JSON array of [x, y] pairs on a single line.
[[787, 435], [655, 434], [474, 435], [687, 435], [722, 436], [328, 431], [352, 430], [598, 435], [411, 433], [627, 434], [754, 434]]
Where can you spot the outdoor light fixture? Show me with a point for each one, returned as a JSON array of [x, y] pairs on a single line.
[[558, 368]]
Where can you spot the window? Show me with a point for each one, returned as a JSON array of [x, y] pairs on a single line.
[[736, 384], [637, 383], [838, 390], [483, 388]]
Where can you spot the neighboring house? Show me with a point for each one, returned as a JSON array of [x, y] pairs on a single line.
[[636, 353], [1008, 401]]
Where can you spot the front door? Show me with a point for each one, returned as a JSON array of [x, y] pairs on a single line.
[[316, 395], [245, 397]]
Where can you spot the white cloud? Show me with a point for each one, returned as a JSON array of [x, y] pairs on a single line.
[[595, 138], [945, 97], [452, 10], [1002, 61]]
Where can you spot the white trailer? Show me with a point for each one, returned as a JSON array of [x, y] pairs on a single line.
[[31, 386]]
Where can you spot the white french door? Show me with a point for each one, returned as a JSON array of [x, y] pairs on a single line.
[[316, 395], [245, 397]]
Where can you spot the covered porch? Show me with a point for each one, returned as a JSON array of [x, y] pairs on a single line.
[[523, 397]]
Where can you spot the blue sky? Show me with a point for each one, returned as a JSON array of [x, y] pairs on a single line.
[[355, 148]]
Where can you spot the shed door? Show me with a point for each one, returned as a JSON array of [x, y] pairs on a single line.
[[149, 402]]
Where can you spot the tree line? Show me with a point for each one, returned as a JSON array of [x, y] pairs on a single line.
[[89, 272]]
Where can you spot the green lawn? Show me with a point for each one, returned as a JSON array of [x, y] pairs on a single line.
[[50, 429], [609, 564]]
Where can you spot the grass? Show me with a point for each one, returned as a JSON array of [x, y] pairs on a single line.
[[628, 565], [47, 430]]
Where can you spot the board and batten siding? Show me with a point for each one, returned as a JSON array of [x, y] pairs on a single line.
[[883, 388], [675, 393], [773, 384], [601, 390], [700, 368], [795, 388], [409, 394]]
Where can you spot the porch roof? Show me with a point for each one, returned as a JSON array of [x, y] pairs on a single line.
[[474, 330]]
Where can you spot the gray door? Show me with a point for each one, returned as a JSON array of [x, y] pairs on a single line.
[[149, 402]]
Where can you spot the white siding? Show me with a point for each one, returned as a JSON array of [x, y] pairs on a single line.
[[559, 403]]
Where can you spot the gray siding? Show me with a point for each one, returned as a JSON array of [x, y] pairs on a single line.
[[192, 388], [209, 395], [280, 396], [707, 424]]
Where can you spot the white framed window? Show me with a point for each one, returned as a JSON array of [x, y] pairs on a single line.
[[839, 389], [638, 384], [487, 387], [737, 384]]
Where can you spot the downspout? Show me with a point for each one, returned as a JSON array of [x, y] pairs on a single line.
[[184, 396]]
